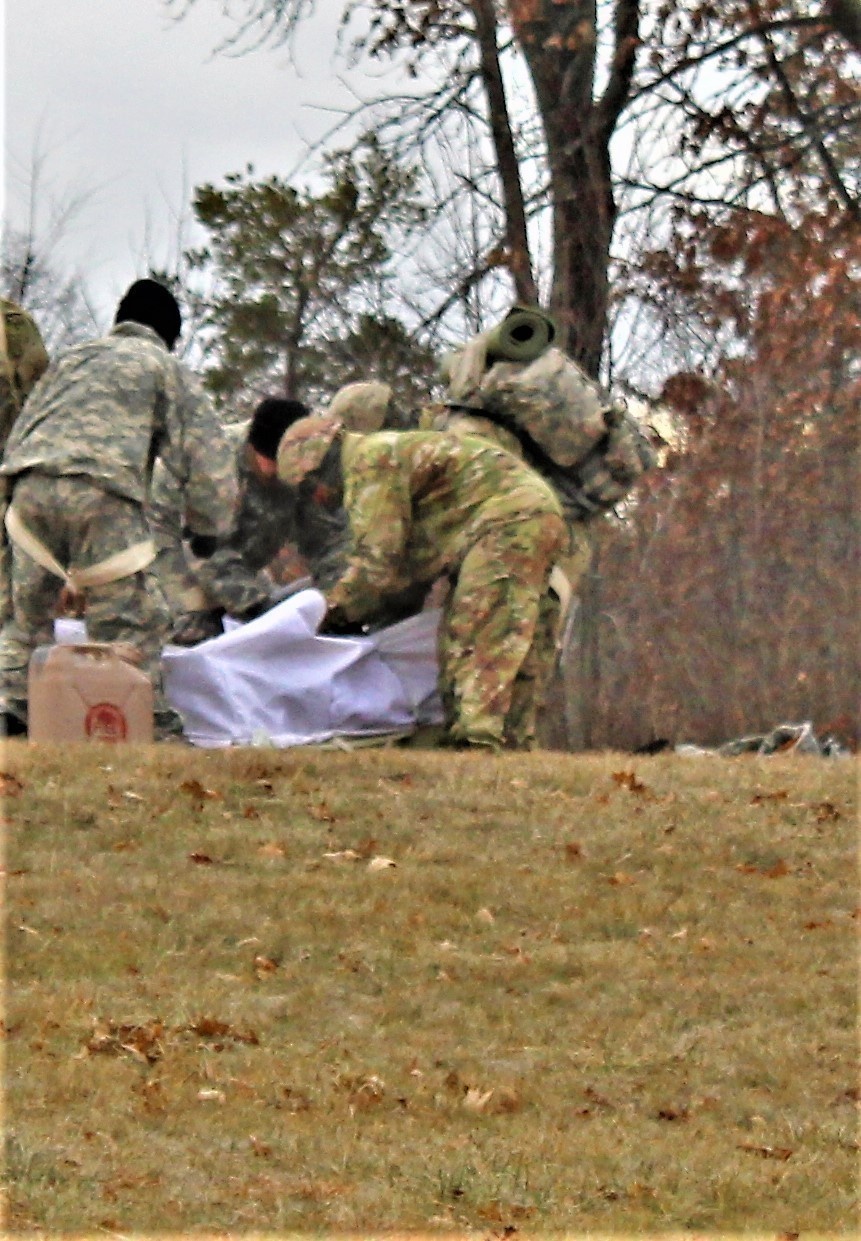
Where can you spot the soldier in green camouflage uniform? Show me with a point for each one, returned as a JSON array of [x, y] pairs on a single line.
[[574, 559], [426, 505], [23, 360], [79, 461]]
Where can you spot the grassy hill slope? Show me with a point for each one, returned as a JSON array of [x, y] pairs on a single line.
[[309, 990]]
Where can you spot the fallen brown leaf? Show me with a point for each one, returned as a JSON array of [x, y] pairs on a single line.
[[272, 849], [209, 1027], [293, 1100], [673, 1113], [321, 813], [476, 1099], [197, 791], [775, 871], [10, 786], [826, 811], [628, 780], [143, 1042], [759, 798], [264, 966], [766, 1152]]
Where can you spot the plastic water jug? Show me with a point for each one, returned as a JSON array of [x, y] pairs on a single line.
[[87, 692]]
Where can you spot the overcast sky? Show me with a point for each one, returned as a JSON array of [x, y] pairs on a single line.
[[129, 110]]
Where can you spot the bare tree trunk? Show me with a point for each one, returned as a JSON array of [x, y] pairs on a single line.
[[516, 239], [559, 41]]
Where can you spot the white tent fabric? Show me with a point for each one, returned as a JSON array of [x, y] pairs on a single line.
[[274, 681]]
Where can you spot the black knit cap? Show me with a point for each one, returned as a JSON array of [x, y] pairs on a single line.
[[271, 419], [150, 303]]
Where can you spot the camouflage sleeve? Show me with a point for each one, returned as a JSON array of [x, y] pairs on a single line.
[[164, 516], [229, 582], [265, 521], [164, 505], [27, 354], [31, 365], [379, 505], [199, 454], [233, 575], [26, 360]]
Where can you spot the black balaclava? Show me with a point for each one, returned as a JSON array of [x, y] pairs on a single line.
[[150, 303], [271, 419]]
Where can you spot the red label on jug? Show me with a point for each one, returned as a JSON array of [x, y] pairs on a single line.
[[105, 722]]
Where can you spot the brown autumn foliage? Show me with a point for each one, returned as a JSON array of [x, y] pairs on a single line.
[[745, 548]]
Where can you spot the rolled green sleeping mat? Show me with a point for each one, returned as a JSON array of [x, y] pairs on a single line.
[[522, 336]]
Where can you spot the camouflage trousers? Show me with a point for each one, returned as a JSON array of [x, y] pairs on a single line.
[[497, 636], [81, 525]]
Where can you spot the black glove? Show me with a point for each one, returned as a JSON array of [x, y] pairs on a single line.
[[196, 627], [256, 609], [335, 624], [202, 545]]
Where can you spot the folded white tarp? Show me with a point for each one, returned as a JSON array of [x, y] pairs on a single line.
[[274, 681]]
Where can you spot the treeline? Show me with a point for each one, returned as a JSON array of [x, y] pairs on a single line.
[[727, 600]]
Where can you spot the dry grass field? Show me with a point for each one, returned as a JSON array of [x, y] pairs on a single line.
[[313, 992]]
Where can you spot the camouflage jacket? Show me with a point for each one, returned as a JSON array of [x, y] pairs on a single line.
[[267, 519], [233, 576], [470, 423], [23, 360], [417, 502], [107, 408]]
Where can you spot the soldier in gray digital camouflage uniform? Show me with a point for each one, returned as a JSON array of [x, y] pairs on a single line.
[[79, 462], [23, 360], [422, 505], [202, 578]]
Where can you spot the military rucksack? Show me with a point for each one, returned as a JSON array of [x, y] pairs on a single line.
[[586, 445]]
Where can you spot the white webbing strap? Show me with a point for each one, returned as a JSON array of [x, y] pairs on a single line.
[[561, 588], [121, 564]]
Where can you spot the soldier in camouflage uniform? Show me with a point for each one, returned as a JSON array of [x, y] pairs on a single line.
[[574, 560], [545, 408], [203, 579], [79, 462], [23, 360], [423, 505]]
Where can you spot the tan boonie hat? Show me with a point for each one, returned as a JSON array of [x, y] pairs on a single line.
[[304, 445], [361, 406]]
